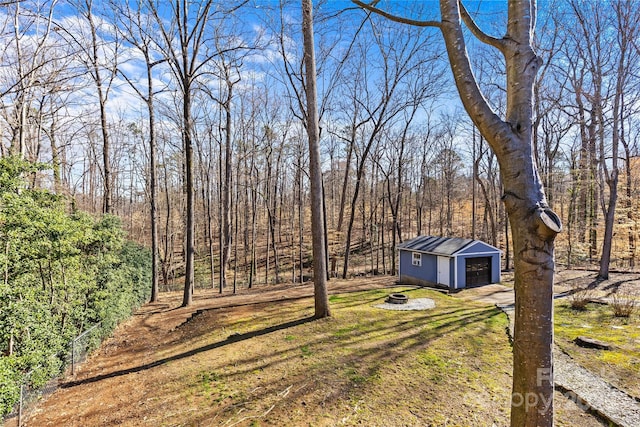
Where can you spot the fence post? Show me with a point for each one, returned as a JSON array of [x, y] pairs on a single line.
[[20, 404], [26, 393], [73, 356]]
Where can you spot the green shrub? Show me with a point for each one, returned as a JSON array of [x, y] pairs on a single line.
[[60, 273], [9, 384]]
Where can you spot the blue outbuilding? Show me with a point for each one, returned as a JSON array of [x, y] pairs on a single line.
[[449, 262]]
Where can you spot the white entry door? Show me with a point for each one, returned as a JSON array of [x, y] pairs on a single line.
[[443, 270]]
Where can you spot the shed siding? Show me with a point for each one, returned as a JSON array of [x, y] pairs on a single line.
[[495, 268], [410, 273]]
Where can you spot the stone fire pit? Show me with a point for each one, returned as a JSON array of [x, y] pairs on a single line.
[[398, 301]]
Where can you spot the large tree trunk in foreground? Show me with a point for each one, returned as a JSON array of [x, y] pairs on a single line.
[[534, 226], [315, 173]]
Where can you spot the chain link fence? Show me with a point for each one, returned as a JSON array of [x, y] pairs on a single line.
[[78, 350], [83, 344]]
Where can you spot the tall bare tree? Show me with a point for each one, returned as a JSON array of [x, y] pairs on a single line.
[[625, 23], [399, 58], [315, 172], [599, 48], [534, 225], [100, 58], [227, 70], [137, 30], [185, 40]]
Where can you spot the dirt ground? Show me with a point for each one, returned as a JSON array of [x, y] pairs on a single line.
[[133, 350], [123, 364]]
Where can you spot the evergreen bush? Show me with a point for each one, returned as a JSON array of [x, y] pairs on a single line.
[[61, 271]]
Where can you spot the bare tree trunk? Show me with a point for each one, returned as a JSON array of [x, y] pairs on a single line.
[[354, 200], [300, 209], [253, 180], [626, 18], [235, 232], [183, 37], [212, 268], [493, 233], [343, 195], [103, 93], [315, 173], [137, 34], [226, 190], [611, 179], [272, 210], [533, 224], [166, 260], [474, 177], [187, 297], [629, 206], [153, 184]]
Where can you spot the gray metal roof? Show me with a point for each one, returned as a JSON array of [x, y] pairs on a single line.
[[436, 245]]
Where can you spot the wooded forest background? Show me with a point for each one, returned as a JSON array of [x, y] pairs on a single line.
[[190, 116]]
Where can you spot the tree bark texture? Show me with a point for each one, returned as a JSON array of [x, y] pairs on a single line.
[[533, 224], [153, 178], [187, 297], [315, 173]]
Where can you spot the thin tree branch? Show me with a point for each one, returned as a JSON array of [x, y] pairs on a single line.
[[416, 23], [477, 32]]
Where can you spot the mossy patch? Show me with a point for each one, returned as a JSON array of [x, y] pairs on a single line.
[[621, 365]]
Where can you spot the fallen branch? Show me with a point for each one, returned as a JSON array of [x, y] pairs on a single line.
[[253, 416], [285, 391]]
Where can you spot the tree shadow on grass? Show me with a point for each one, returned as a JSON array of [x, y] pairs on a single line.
[[446, 324], [369, 341], [334, 359], [614, 287], [338, 366], [230, 340]]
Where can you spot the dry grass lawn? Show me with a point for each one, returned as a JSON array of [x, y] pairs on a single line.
[[257, 359]]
